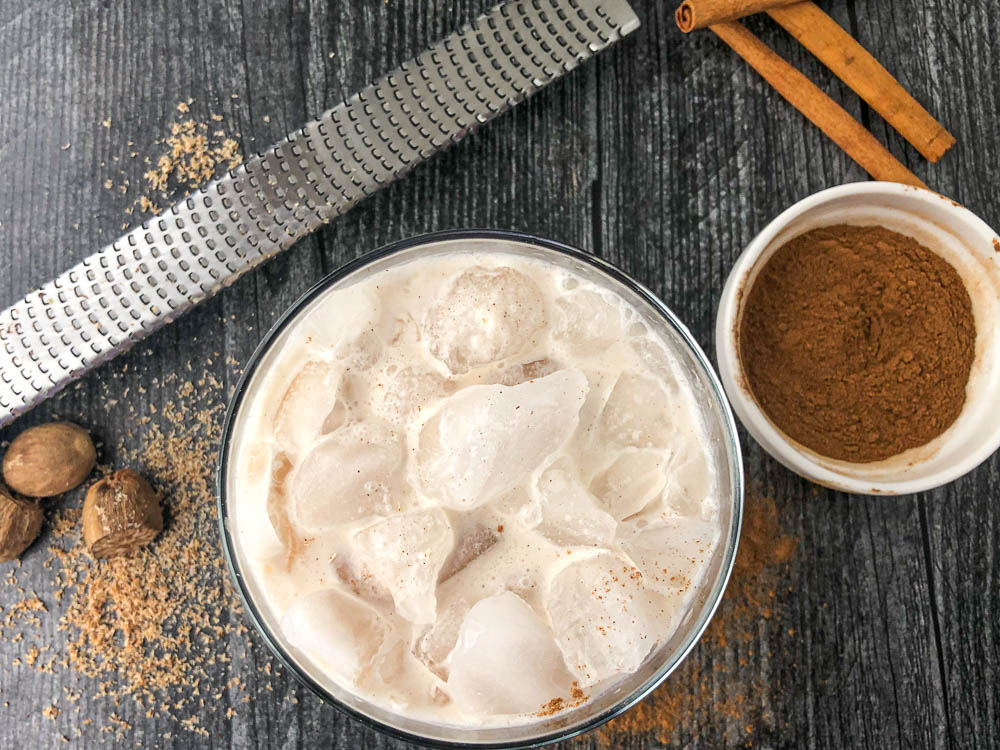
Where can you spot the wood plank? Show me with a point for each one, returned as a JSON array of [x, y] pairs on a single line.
[[665, 156]]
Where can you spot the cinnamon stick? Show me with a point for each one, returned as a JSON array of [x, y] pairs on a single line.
[[819, 108], [855, 66], [699, 14]]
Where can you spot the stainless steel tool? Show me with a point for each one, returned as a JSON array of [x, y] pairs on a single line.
[[145, 279]]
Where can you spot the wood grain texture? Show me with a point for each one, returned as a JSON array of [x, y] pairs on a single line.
[[822, 111], [665, 156], [869, 79]]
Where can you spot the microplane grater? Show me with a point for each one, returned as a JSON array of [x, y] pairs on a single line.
[[117, 296]]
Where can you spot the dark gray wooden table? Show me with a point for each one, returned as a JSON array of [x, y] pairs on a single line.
[[665, 156]]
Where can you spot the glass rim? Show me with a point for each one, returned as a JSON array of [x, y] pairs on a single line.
[[722, 406]]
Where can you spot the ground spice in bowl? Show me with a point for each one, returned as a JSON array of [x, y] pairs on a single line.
[[857, 342]]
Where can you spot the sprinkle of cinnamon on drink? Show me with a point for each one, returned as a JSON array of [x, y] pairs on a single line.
[[554, 706]]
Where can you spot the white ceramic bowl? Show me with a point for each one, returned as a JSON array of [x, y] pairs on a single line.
[[970, 246]]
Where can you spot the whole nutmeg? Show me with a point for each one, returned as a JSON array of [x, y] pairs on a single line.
[[120, 514], [20, 522], [49, 459]]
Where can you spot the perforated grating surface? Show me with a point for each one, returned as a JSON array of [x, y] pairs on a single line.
[[145, 279]]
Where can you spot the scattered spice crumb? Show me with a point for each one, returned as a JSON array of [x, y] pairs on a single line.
[[119, 722], [147, 206], [192, 156], [132, 626]]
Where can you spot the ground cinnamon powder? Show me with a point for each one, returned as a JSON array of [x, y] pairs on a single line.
[[857, 342], [714, 678]]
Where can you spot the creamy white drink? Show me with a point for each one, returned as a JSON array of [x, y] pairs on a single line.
[[474, 488]]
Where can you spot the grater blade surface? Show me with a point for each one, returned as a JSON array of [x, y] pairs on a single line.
[[139, 283]]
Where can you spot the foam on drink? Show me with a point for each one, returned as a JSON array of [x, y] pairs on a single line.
[[471, 484]]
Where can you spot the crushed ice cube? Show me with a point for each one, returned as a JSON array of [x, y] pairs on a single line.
[[406, 552], [434, 644], [485, 440], [632, 481], [515, 374], [638, 413], [325, 327], [335, 629], [362, 581], [588, 448], [387, 666], [472, 540], [350, 474], [603, 616], [691, 481], [587, 322], [259, 527], [359, 353], [506, 660], [656, 357], [277, 498], [487, 314], [672, 552], [398, 395], [569, 514], [306, 405]]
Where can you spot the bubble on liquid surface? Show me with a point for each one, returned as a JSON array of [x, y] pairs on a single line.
[[506, 660], [406, 552], [569, 514], [337, 630], [631, 482], [306, 405], [604, 618], [487, 314], [486, 440], [349, 475]]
